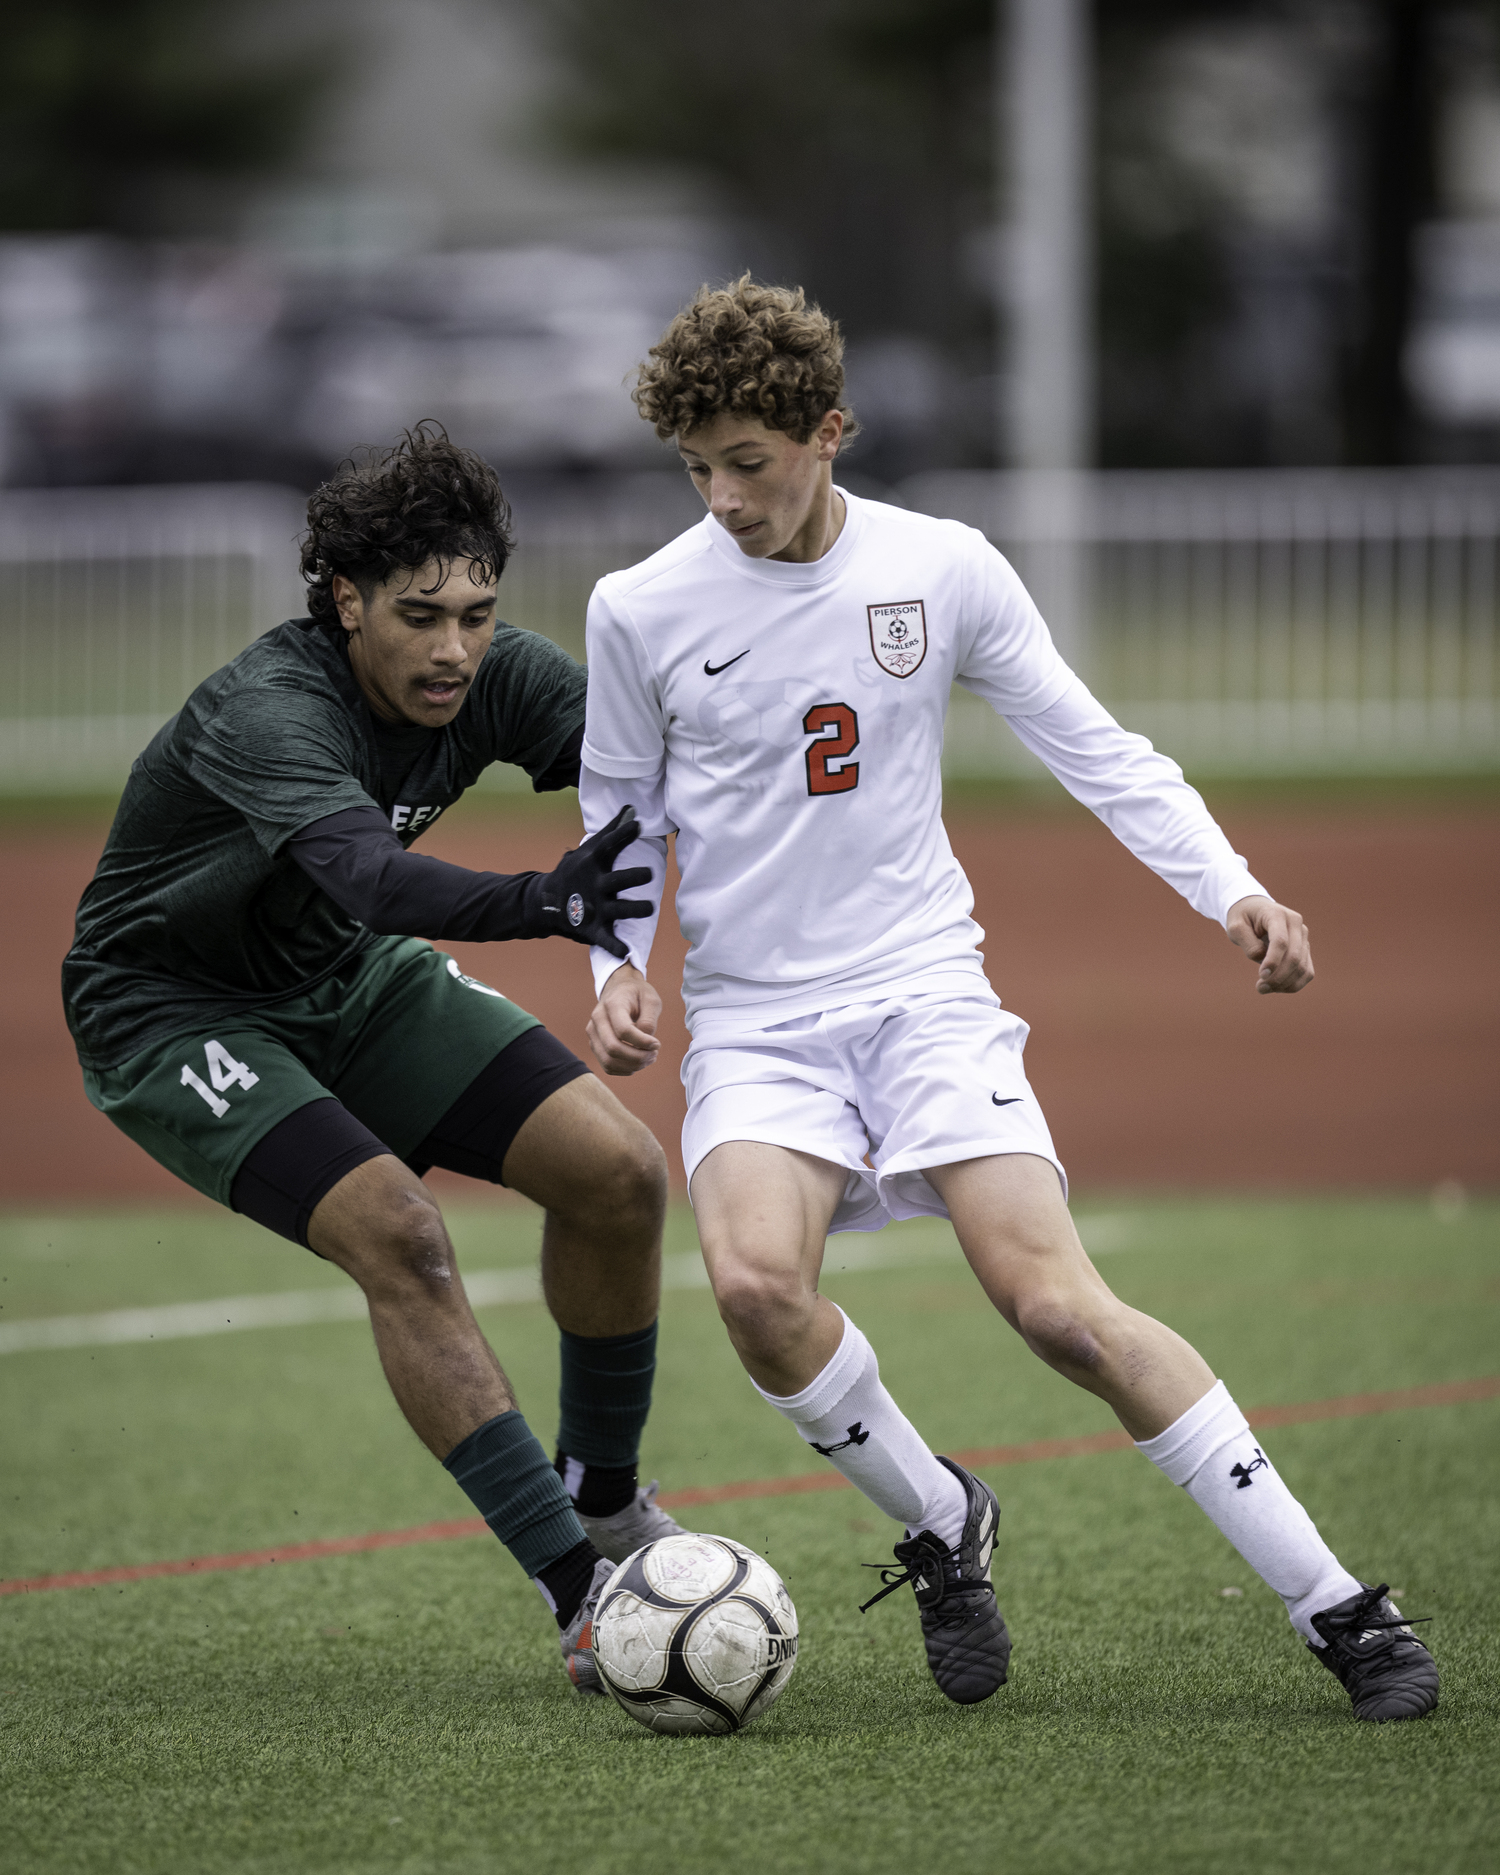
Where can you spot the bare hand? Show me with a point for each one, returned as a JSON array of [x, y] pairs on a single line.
[[622, 1029], [1274, 937]]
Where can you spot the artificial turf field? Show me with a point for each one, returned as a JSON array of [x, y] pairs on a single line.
[[405, 1710]]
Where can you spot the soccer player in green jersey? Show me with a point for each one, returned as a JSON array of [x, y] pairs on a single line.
[[253, 1004]]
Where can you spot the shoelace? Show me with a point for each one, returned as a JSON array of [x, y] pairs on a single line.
[[1362, 1616], [898, 1578]]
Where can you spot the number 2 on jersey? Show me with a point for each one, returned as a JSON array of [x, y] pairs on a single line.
[[837, 730]]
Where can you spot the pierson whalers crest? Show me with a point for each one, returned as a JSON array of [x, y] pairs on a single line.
[[898, 636]]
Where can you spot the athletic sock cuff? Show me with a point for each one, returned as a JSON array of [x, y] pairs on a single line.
[[1189, 1442], [509, 1479], [564, 1584], [612, 1353], [823, 1393]]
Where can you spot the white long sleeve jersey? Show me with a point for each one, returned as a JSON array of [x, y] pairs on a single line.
[[786, 721]]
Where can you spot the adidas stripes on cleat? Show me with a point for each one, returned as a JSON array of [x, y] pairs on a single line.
[[968, 1648], [628, 1530], [577, 1638], [1386, 1670]]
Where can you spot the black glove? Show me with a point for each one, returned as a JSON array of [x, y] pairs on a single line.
[[581, 898]]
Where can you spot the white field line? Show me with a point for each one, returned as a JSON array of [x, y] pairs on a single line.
[[293, 1308]]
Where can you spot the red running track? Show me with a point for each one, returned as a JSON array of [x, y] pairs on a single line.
[[1348, 1406], [1157, 1065]]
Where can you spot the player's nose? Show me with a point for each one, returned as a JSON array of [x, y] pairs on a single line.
[[449, 648]]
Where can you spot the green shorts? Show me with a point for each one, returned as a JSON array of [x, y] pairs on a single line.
[[396, 1037]]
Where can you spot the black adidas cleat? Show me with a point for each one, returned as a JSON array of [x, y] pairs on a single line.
[[1386, 1670], [968, 1648]]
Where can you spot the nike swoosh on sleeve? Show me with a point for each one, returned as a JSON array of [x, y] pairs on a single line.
[[1014, 1100], [712, 670]]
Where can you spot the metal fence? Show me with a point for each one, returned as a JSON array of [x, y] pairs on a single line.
[[114, 603], [1250, 623], [1259, 622]]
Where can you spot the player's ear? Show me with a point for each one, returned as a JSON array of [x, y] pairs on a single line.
[[349, 602], [829, 434]]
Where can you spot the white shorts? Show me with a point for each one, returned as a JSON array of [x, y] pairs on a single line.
[[883, 1088]]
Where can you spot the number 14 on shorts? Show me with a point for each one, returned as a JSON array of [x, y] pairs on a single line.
[[224, 1071]]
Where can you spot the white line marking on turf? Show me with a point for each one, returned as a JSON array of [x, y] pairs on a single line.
[[177, 1320], [294, 1308]]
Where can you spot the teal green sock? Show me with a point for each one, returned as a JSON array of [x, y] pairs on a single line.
[[605, 1396], [507, 1475]]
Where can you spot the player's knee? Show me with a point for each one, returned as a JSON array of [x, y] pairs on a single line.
[[760, 1307], [624, 1184], [410, 1250], [1059, 1334]]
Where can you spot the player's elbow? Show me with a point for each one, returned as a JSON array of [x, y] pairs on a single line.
[[391, 908], [384, 921]]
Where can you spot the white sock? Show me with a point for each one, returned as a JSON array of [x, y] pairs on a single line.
[[847, 1416], [1212, 1453]]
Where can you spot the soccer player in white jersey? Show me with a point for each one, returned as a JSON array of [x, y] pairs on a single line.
[[772, 686]]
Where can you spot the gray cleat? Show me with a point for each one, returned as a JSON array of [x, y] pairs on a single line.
[[628, 1530], [968, 1648], [577, 1638]]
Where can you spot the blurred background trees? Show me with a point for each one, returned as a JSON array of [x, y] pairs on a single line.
[[853, 142], [234, 237], [117, 111], [1264, 174]]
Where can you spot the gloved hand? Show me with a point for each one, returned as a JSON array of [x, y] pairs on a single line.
[[581, 899]]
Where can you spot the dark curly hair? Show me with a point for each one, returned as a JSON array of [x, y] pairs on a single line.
[[746, 350], [424, 499]]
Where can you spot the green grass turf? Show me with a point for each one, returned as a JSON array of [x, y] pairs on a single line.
[[405, 1710], [1006, 795]]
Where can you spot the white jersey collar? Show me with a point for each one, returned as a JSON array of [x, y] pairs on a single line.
[[786, 573]]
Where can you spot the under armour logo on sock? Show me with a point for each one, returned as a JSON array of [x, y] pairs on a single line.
[[1242, 1472], [857, 1436]]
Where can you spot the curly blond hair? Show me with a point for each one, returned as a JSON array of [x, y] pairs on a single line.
[[745, 350]]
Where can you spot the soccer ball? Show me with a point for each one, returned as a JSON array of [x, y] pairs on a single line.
[[695, 1634]]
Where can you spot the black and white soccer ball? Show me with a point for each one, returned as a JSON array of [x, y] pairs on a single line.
[[695, 1634]]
